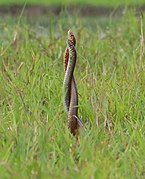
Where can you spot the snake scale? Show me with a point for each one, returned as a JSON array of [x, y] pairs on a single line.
[[70, 88]]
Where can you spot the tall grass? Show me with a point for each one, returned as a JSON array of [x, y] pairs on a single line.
[[34, 138]]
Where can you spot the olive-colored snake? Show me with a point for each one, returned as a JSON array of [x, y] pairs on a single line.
[[70, 88]]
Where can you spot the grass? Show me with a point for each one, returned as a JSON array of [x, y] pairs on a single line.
[[34, 139], [65, 2]]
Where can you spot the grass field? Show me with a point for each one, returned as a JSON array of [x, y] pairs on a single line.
[[93, 2], [34, 138]]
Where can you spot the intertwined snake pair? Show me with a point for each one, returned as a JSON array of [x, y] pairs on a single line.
[[70, 88]]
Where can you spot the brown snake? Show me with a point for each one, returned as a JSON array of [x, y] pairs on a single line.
[[70, 88]]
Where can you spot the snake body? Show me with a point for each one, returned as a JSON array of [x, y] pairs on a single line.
[[70, 88]]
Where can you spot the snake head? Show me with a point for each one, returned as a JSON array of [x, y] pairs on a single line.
[[71, 48], [71, 37]]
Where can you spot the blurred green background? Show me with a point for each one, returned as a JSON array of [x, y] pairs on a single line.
[[63, 2]]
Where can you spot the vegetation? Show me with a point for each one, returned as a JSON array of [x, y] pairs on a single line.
[[34, 138], [93, 2]]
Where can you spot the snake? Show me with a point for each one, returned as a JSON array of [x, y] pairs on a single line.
[[70, 88], [73, 87]]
